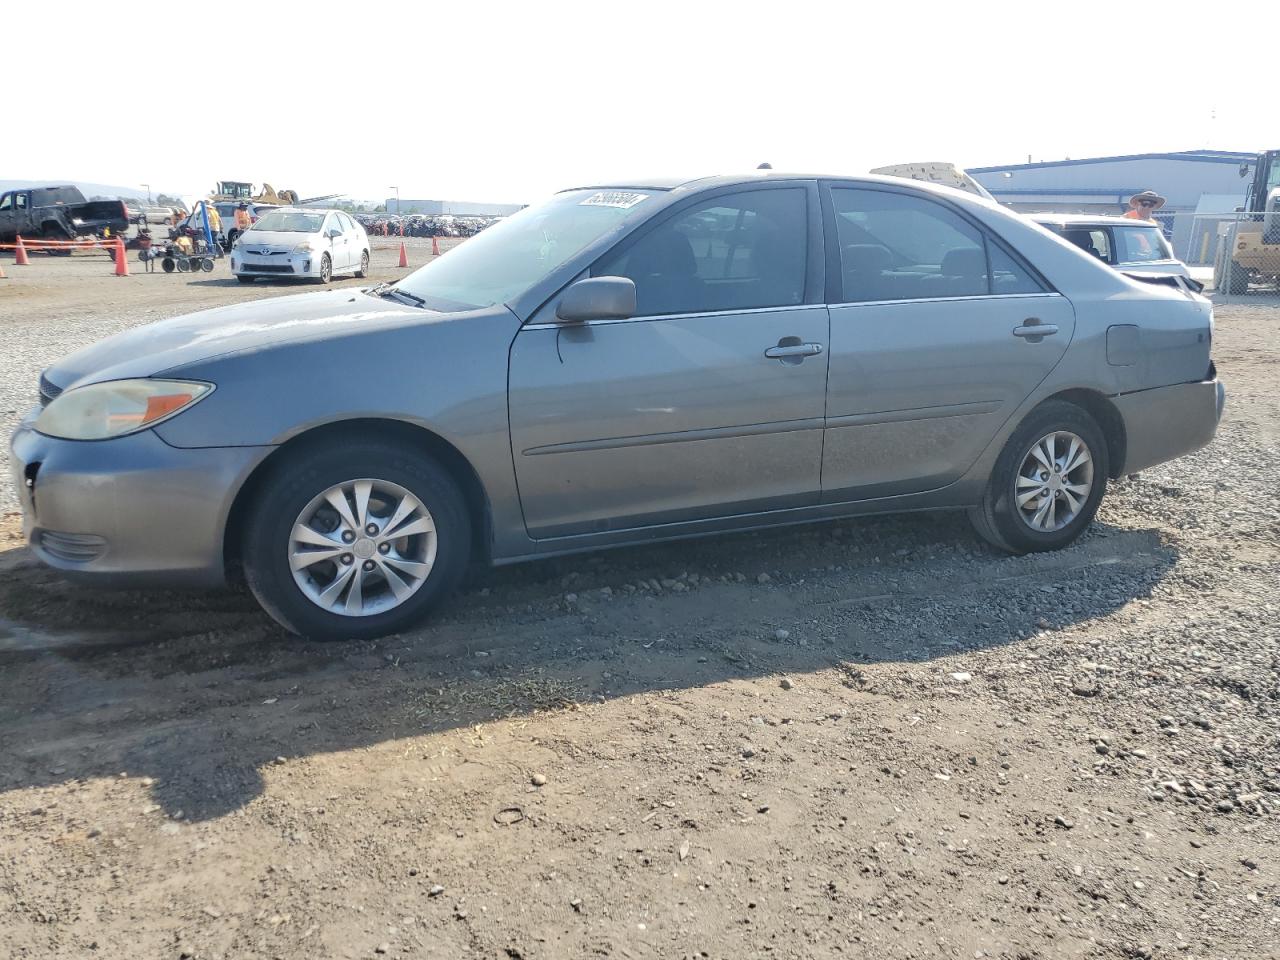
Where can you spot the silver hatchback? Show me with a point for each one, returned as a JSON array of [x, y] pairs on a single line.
[[619, 364]]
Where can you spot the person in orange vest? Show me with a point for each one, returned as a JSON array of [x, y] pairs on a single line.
[[1142, 205], [243, 220]]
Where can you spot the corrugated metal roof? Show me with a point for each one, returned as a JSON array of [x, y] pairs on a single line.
[[1194, 156]]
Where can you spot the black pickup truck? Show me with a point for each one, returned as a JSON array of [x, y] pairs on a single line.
[[58, 213]]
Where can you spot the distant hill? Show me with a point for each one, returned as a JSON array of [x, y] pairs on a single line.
[[89, 189]]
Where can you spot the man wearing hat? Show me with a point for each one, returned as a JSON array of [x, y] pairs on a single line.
[[1142, 205]]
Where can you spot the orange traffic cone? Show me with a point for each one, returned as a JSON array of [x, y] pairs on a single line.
[[20, 255], [1, 271], [122, 264], [404, 255], [435, 247]]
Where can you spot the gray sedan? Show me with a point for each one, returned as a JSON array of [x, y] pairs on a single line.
[[619, 364]]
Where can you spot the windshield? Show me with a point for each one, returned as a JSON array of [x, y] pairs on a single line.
[[514, 254], [280, 221]]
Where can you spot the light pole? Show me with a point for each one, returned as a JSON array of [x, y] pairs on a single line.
[[397, 190], [148, 189]]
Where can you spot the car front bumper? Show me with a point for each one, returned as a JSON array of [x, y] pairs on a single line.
[[275, 265], [1167, 422], [129, 510]]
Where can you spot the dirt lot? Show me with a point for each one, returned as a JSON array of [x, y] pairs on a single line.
[[870, 739]]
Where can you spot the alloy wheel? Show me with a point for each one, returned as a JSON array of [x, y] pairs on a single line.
[[362, 547], [1054, 482]]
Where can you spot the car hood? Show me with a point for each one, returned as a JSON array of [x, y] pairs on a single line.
[[270, 238], [157, 347]]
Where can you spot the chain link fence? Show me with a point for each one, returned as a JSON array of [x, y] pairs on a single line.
[[1236, 255]]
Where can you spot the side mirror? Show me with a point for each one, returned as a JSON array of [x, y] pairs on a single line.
[[334, 234], [599, 298]]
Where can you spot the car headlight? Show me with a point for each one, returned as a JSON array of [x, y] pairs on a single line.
[[306, 246], [116, 408]]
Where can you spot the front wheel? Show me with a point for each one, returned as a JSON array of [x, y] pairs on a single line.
[[326, 269], [364, 266], [356, 542], [1047, 483]]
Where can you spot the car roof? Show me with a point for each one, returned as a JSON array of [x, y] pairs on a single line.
[[1091, 219], [753, 177]]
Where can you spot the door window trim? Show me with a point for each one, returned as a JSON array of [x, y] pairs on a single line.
[[835, 266], [552, 325]]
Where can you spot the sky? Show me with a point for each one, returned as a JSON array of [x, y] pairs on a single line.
[[499, 102]]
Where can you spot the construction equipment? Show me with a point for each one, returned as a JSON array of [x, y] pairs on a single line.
[[239, 190], [1255, 249]]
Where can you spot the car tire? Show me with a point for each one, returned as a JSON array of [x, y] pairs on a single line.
[[1056, 427], [296, 496], [364, 266], [326, 269]]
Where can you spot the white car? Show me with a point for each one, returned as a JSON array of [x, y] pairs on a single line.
[[1129, 245], [293, 242]]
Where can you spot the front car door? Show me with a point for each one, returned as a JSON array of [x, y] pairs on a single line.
[[339, 247], [709, 401], [933, 340]]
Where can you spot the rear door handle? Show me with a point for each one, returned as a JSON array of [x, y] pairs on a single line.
[[790, 347], [1034, 330]]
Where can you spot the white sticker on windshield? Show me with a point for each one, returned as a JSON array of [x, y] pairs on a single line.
[[614, 198]]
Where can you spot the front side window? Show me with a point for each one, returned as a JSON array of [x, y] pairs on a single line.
[[742, 251], [21, 200], [1141, 244], [6, 202]]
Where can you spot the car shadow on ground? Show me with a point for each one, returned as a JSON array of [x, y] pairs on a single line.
[[201, 691]]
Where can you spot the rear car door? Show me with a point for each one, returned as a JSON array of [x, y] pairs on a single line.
[[938, 333], [709, 401]]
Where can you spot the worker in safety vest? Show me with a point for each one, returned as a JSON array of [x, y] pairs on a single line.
[[1142, 205], [243, 220]]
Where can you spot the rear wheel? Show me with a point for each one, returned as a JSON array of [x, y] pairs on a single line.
[[1047, 482], [356, 542]]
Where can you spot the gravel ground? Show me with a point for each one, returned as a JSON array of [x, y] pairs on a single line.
[[872, 738]]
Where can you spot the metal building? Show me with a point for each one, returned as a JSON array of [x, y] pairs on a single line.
[[1202, 188]]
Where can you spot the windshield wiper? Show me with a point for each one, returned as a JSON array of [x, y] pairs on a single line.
[[412, 298]]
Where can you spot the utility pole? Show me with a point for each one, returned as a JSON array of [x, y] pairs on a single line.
[[147, 186], [397, 190]]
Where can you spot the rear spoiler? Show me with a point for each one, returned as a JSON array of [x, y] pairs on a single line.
[[1168, 280]]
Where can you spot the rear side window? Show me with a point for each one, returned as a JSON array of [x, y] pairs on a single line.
[[1007, 274], [1141, 244], [1092, 240], [741, 251], [899, 247]]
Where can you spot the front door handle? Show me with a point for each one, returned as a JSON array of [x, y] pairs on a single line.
[[1034, 330], [793, 350]]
